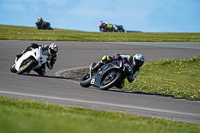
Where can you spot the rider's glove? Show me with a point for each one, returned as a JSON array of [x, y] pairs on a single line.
[[117, 56], [49, 66], [97, 66]]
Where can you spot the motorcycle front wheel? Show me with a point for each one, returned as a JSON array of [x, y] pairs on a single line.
[[12, 69], [26, 66], [85, 81], [110, 81]]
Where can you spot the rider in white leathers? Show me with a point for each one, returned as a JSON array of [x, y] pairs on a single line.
[[50, 50]]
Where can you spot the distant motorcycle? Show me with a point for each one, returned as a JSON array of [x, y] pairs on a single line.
[[118, 28], [43, 26], [106, 77], [30, 60]]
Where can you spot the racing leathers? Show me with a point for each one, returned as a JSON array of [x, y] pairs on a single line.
[[131, 70], [45, 50], [40, 24]]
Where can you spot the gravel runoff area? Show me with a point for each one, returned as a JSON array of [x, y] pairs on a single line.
[[76, 74]]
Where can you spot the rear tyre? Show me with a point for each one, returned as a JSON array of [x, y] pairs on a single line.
[[110, 81], [27, 65], [85, 81]]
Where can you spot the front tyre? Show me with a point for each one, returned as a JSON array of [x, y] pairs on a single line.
[[110, 81], [85, 81], [27, 65], [12, 68]]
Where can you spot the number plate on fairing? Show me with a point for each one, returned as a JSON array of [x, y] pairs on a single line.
[[92, 81]]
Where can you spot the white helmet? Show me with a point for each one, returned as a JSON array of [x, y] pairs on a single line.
[[53, 48], [138, 59]]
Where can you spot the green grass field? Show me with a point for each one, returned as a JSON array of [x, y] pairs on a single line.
[[25, 116], [179, 78], [30, 33]]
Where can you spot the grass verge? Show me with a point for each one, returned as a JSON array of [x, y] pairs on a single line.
[[19, 116], [30, 33], [179, 78]]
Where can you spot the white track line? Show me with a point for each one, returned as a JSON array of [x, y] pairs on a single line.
[[99, 103]]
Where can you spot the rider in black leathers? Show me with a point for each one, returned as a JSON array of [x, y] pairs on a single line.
[[131, 63]]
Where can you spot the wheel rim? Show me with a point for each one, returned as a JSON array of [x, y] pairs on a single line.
[[86, 77], [25, 65], [108, 78]]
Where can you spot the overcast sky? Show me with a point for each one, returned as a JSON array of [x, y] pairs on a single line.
[[84, 15]]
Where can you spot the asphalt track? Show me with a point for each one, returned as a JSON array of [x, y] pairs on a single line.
[[58, 90]]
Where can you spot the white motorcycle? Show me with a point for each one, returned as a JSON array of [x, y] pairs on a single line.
[[31, 60]]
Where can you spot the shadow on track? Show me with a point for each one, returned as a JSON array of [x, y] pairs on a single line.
[[125, 90], [46, 76]]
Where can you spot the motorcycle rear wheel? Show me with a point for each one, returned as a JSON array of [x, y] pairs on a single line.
[[105, 85], [27, 66]]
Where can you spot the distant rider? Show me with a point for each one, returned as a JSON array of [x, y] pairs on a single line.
[[131, 63], [101, 26], [40, 23], [50, 50]]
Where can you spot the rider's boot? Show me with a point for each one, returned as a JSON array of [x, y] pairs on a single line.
[[41, 71], [120, 84]]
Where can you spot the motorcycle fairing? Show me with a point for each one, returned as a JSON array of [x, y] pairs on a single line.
[[97, 78], [36, 54]]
